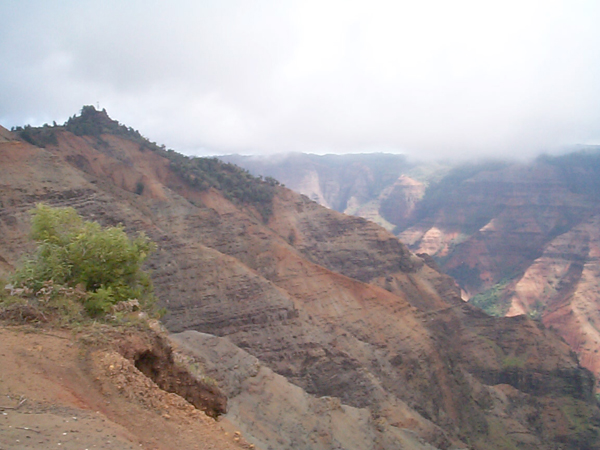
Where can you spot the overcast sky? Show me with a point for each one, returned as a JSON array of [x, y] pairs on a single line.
[[428, 78]]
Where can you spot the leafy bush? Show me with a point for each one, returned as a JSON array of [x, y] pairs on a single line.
[[72, 253], [139, 188], [92, 122]]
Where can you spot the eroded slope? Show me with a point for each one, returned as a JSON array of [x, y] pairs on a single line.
[[336, 305], [63, 390]]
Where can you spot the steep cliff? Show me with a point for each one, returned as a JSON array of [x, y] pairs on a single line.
[[77, 389], [335, 304], [519, 238]]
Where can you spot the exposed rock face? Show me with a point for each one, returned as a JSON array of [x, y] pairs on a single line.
[[520, 238], [493, 224], [526, 234], [288, 416], [335, 304], [398, 205], [566, 277]]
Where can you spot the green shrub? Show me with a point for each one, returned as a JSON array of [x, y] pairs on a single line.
[[236, 184], [494, 301], [71, 253]]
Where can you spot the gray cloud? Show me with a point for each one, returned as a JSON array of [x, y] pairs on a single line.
[[430, 78]]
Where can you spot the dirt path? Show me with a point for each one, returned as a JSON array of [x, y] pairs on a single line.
[[54, 394]]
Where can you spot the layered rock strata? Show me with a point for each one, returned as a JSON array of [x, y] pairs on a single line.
[[335, 304]]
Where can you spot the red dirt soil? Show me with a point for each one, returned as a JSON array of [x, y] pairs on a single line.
[[56, 391]]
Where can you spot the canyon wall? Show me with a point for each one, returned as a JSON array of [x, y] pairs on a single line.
[[333, 308], [519, 238]]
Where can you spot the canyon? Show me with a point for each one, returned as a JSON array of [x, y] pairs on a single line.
[[518, 237], [324, 330]]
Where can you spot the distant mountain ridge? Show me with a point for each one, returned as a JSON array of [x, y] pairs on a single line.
[[344, 183]]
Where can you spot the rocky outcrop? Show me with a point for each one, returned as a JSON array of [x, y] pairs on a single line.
[[273, 413], [334, 304], [561, 287]]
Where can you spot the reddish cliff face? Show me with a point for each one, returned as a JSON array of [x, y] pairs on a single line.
[[400, 201], [523, 237], [561, 287], [518, 238], [489, 226], [335, 304]]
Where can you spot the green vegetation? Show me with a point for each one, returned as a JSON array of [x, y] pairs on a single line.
[[511, 362], [493, 301], [40, 137], [236, 184], [139, 188], [92, 122], [79, 260], [536, 310]]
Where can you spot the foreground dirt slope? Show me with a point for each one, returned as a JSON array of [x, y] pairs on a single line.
[[57, 392], [336, 305]]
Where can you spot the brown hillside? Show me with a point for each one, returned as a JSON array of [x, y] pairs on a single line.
[[60, 390], [335, 304], [517, 237]]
